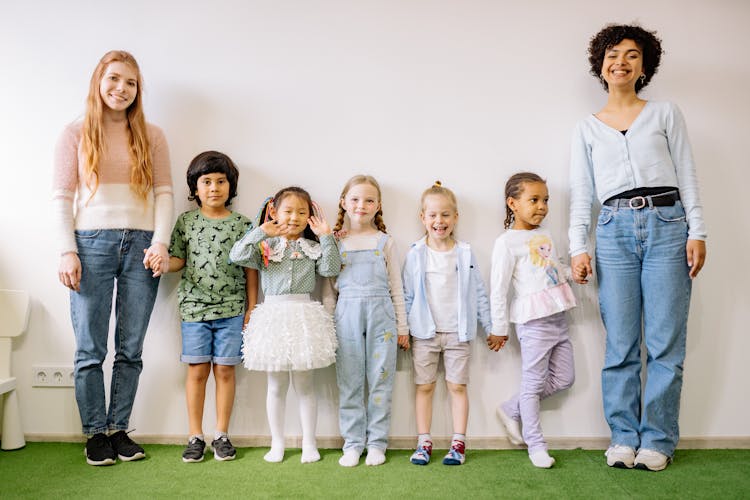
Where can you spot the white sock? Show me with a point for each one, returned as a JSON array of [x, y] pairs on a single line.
[[375, 456], [304, 386], [541, 459], [350, 458], [275, 454], [278, 384], [220, 434]]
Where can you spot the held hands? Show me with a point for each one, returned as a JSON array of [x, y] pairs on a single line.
[[156, 258], [403, 342], [581, 268], [696, 256], [69, 271], [496, 342]]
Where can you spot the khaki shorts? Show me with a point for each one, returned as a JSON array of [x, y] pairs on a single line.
[[426, 356]]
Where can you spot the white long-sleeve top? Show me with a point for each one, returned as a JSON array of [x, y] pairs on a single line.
[[528, 261]]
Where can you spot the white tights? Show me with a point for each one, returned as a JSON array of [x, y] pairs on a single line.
[[304, 386]]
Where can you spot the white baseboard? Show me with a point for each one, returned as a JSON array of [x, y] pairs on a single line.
[[408, 442]]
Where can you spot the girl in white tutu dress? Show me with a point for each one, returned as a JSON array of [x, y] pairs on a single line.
[[289, 335]]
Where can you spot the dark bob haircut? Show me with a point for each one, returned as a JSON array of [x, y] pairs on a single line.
[[613, 34], [212, 162]]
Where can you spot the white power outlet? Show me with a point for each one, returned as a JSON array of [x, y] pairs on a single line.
[[51, 376]]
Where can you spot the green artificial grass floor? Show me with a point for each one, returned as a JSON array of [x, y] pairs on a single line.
[[59, 470]]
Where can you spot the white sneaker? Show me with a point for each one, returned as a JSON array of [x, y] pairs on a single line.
[[512, 427], [620, 456], [651, 460]]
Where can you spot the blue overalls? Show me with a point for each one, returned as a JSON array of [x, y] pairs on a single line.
[[366, 355]]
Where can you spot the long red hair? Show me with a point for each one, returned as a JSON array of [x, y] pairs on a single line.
[[93, 143]]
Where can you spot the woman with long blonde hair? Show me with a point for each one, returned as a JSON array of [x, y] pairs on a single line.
[[113, 203]]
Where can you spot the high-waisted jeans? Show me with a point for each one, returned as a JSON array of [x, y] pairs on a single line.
[[644, 296], [109, 257]]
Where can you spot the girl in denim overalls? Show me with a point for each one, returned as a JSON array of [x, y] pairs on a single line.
[[370, 320]]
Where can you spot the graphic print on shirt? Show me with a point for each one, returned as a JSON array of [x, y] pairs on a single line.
[[540, 250]]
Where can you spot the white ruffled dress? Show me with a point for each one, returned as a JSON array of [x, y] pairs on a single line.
[[289, 330]]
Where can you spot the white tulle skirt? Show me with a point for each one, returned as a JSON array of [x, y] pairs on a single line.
[[289, 332]]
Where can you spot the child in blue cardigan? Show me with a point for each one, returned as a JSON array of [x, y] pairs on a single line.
[[445, 296]]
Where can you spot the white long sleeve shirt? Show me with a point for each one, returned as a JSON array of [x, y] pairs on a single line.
[[527, 262]]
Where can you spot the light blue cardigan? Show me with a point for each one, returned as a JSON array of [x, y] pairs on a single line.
[[472, 298]]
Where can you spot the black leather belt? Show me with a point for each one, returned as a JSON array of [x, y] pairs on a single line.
[[637, 202]]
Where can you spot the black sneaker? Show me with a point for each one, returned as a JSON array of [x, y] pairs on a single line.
[[194, 450], [223, 449], [125, 448], [99, 451]]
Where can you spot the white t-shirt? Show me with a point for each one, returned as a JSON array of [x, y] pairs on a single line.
[[441, 282]]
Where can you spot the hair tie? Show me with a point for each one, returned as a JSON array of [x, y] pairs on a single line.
[[437, 184]]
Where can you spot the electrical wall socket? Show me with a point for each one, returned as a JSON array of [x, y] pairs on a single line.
[[51, 376]]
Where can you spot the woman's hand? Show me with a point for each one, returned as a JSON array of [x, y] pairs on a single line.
[[156, 258], [696, 256], [581, 268], [69, 271]]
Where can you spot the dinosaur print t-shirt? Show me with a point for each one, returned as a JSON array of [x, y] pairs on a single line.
[[210, 288]]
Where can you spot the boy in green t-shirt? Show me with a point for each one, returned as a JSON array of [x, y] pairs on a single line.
[[216, 297]]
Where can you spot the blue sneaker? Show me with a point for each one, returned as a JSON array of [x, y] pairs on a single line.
[[456, 455], [422, 454]]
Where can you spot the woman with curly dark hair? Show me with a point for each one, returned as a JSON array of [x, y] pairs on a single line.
[[634, 157]]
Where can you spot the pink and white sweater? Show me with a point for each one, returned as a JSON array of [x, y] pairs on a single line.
[[114, 205]]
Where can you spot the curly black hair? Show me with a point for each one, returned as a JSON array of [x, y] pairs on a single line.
[[212, 162], [611, 35]]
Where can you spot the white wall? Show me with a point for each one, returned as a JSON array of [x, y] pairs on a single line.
[[312, 92]]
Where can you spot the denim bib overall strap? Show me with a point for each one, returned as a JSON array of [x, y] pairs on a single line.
[[366, 330]]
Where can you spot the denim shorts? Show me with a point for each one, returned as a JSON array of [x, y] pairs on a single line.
[[218, 341]]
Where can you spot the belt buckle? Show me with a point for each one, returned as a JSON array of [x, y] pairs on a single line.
[[637, 202]]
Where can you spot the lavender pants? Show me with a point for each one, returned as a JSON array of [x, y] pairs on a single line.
[[547, 367]]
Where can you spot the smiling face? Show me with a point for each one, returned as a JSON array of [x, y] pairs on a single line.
[[118, 87], [361, 203], [294, 212], [439, 217], [530, 207], [622, 64]]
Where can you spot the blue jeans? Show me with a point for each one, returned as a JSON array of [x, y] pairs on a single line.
[[109, 256], [644, 296]]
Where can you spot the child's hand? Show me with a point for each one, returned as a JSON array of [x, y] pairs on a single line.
[[319, 225], [272, 228], [151, 261], [156, 258], [403, 342], [496, 342], [581, 267]]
